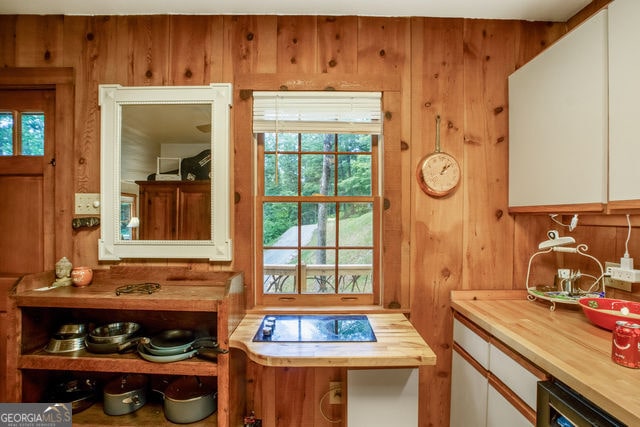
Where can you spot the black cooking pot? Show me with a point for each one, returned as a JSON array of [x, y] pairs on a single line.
[[125, 394], [81, 393], [190, 399]]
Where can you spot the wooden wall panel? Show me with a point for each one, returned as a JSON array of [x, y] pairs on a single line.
[[38, 41], [7, 40], [384, 49], [454, 67], [195, 54], [437, 254], [250, 45], [92, 49], [297, 44], [337, 44], [147, 50], [489, 58]]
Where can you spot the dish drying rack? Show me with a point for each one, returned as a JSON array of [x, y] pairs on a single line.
[[556, 244]]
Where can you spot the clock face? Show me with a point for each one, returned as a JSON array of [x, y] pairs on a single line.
[[438, 174]]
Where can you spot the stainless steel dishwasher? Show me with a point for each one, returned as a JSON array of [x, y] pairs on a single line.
[[559, 405]]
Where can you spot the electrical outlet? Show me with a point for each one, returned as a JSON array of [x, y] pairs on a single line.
[[613, 283], [335, 393], [87, 204], [631, 276]]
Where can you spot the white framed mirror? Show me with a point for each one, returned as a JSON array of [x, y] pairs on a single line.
[[164, 172]]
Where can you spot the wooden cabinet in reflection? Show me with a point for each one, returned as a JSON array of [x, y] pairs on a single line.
[[175, 210]]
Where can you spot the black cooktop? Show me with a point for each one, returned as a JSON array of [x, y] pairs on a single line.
[[315, 328]]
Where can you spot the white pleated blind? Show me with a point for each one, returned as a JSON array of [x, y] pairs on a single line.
[[320, 112]]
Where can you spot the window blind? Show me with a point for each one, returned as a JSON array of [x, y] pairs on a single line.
[[318, 112]]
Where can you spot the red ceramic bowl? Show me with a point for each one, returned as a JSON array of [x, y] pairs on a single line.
[[605, 312]]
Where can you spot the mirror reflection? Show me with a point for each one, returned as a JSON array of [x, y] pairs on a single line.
[[165, 180], [165, 172]]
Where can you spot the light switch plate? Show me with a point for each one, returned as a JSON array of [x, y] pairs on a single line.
[[87, 204]]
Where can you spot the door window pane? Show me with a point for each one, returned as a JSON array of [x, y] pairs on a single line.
[[32, 136], [6, 134]]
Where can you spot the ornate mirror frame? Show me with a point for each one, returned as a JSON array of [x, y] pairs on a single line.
[[111, 99]]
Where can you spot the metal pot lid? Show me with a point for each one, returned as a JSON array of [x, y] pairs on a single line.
[[125, 384], [190, 388]]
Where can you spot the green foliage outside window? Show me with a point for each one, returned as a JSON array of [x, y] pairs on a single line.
[[31, 138]]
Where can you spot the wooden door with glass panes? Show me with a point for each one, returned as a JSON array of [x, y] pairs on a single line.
[[27, 167]]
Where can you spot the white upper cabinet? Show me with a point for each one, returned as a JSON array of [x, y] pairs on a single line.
[[558, 126], [624, 109]]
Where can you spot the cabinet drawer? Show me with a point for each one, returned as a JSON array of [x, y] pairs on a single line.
[[472, 340], [515, 372]]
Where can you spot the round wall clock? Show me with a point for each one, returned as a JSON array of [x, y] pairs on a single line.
[[438, 173]]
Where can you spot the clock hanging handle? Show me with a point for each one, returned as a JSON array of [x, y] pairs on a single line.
[[438, 133]]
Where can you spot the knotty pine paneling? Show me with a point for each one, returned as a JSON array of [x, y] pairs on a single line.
[[38, 41], [196, 43], [489, 58], [7, 41], [337, 44], [147, 46], [437, 253], [250, 45], [453, 67], [297, 44]]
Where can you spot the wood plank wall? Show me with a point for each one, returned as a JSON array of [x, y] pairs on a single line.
[[453, 67]]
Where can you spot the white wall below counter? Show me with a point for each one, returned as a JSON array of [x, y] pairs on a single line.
[[382, 397]]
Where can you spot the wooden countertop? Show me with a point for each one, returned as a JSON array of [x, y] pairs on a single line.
[[562, 342], [398, 344]]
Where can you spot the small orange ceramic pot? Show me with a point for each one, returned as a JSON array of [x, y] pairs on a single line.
[[81, 276]]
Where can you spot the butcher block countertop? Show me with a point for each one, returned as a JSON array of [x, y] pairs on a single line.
[[562, 342], [398, 345]]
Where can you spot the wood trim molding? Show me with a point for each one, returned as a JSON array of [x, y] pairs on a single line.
[[36, 76], [559, 209], [296, 81], [594, 7]]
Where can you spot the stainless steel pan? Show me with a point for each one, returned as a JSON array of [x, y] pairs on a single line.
[[115, 332]]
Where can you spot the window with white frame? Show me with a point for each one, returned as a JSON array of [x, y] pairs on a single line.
[[318, 197]]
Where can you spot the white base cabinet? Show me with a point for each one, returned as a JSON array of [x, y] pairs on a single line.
[[382, 397], [468, 393], [491, 386], [501, 413]]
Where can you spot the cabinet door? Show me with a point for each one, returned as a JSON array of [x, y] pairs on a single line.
[[624, 93], [469, 387], [194, 216], [558, 126], [158, 205], [501, 413]]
